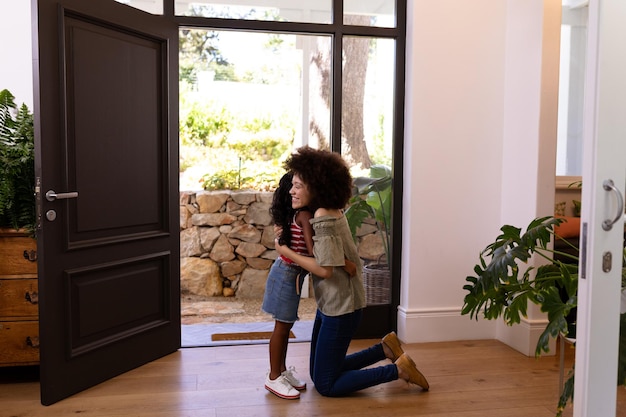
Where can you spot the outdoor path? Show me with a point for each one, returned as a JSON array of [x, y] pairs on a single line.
[[204, 320], [200, 310]]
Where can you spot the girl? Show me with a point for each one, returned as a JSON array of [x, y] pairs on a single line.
[[282, 289], [322, 181]]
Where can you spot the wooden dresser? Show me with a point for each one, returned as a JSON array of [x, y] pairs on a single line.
[[19, 315]]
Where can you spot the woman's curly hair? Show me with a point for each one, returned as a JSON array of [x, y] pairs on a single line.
[[281, 210], [325, 174]]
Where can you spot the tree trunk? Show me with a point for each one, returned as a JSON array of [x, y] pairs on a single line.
[[356, 55]]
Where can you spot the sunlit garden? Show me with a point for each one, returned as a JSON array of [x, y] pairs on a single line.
[[242, 114]]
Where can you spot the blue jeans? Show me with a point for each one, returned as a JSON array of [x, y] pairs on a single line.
[[335, 374]]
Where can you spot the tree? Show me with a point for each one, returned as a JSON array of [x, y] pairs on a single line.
[[356, 56], [198, 51]]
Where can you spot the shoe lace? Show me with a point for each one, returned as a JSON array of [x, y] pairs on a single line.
[[283, 381], [291, 375]]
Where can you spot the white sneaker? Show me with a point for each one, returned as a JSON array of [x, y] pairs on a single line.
[[281, 388], [292, 377]]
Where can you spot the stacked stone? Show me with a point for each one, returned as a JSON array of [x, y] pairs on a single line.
[[227, 243]]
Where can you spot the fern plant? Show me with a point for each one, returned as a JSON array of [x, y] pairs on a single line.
[[501, 287], [17, 165]]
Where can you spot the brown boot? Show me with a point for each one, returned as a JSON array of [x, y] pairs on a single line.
[[393, 343], [406, 364]]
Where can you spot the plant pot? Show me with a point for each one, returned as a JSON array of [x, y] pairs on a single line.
[[377, 281]]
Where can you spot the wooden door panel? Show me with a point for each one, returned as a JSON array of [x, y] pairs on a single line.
[[141, 307], [131, 197]]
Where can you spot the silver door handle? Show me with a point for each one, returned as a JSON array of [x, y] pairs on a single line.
[[51, 195], [608, 223]]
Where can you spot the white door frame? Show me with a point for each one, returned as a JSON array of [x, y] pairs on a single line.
[[604, 158]]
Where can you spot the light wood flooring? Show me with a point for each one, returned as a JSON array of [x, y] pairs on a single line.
[[467, 379]]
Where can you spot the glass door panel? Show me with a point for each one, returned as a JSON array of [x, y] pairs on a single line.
[[150, 6], [247, 100], [370, 13], [310, 11], [367, 138]]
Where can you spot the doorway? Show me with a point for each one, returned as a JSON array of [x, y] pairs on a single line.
[[347, 81]]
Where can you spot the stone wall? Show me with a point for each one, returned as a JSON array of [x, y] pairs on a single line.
[[227, 243]]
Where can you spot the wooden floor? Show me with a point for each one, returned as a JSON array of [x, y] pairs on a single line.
[[467, 379]]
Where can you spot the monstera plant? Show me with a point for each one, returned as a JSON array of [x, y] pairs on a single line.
[[372, 199], [504, 283]]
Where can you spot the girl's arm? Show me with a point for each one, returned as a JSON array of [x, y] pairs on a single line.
[[306, 262], [302, 220]]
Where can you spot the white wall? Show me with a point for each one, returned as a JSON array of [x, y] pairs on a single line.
[[475, 130], [530, 136], [16, 71]]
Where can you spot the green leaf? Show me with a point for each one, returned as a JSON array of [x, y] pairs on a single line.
[[357, 212]]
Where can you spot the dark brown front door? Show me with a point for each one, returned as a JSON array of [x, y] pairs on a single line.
[[107, 146]]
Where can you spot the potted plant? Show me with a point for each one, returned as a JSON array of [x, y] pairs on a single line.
[[501, 287], [17, 165], [372, 199]]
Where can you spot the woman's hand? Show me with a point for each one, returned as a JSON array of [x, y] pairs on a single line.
[[350, 267], [305, 262], [281, 249]]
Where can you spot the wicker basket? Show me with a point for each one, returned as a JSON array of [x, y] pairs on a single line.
[[377, 281]]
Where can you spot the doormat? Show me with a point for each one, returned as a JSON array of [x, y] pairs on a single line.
[[245, 336]]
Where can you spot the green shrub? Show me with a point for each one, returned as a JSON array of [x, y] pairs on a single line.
[[259, 176], [205, 126]]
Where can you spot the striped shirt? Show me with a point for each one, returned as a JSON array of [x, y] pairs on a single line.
[[297, 241]]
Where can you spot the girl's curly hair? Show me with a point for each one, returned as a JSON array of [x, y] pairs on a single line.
[[325, 174], [281, 210]]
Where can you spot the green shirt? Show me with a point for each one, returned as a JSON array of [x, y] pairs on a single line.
[[332, 244]]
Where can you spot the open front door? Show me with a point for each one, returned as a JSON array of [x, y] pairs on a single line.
[[604, 176], [106, 109]]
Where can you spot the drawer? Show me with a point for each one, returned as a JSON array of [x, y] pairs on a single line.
[[19, 343], [12, 250], [18, 297]]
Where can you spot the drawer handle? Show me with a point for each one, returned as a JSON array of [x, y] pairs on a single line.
[[32, 297], [30, 255], [32, 342]]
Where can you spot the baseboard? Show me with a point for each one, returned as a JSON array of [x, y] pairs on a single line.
[[441, 325], [447, 324]]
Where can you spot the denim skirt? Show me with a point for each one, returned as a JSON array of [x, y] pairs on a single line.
[[282, 295]]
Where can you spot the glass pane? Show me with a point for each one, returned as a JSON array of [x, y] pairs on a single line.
[[367, 138], [150, 6], [246, 101], [380, 13], [571, 88], [311, 11]]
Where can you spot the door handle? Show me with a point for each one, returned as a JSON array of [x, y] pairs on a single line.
[[52, 195], [608, 223]]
